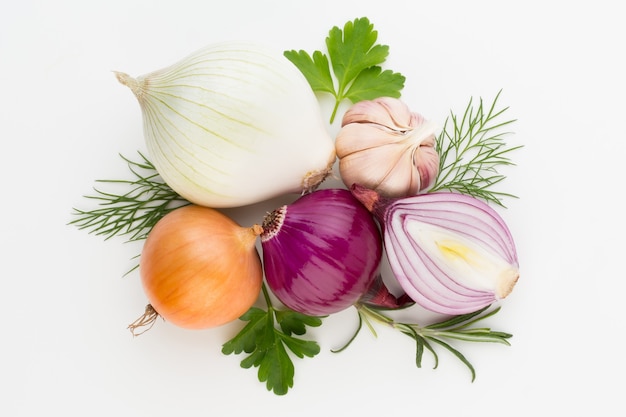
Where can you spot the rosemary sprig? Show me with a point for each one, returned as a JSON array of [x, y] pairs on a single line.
[[472, 149], [133, 212], [440, 333]]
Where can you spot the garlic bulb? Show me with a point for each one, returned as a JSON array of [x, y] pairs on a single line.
[[383, 146], [233, 124]]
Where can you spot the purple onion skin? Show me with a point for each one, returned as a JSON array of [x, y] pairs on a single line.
[[322, 253], [421, 277]]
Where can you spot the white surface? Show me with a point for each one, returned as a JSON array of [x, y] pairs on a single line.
[[65, 305]]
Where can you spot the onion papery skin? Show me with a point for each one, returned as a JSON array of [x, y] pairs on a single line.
[[451, 253], [200, 269], [322, 252], [233, 124]]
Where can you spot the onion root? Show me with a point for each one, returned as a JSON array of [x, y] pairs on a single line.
[[145, 322]]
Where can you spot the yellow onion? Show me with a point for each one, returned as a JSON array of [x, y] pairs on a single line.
[[200, 269], [384, 146]]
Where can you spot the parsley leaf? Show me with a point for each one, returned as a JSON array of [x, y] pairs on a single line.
[[266, 344], [294, 322], [355, 59]]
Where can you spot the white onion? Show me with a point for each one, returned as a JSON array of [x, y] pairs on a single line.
[[232, 124]]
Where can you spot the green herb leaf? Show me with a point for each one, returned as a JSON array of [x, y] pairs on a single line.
[[355, 59], [293, 322], [354, 49], [316, 69], [458, 354], [300, 347], [246, 339], [276, 369], [267, 344], [471, 148], [372, 83]]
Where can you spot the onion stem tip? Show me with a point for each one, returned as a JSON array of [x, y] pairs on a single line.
[[135, 86]]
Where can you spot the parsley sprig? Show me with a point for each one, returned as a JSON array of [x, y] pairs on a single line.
[[355, 59], [457, 328], [267, 345], [472, 149]]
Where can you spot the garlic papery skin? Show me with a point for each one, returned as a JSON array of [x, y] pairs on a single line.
[[384, 146], [233, 124]]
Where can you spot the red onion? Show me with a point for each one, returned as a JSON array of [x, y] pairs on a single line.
[[322, 254], [451, 253]]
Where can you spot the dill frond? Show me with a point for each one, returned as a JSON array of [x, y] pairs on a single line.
[[472, 149], [130, 213]]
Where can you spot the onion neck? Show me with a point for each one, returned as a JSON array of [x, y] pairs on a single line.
[[369, 198], [136, 85], [373, 201], [378, 296]]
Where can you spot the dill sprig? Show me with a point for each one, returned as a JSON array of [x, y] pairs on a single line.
[[472, 149], [133, 212]]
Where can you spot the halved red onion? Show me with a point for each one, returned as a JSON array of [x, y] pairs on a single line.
[[451, 253], [322, 254]]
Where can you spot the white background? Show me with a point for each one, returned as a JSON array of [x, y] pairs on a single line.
[[65, 304]]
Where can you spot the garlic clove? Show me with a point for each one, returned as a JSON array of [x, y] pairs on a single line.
[[426, 159], [365, 168], [365, 136]]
